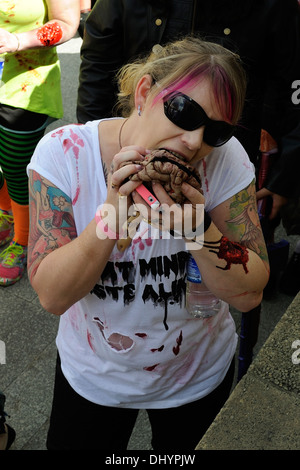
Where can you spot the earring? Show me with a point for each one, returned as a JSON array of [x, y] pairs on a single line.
[[139, 110]]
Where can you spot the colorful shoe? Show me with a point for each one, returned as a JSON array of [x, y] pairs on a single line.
[[6, 227], [12, 263]]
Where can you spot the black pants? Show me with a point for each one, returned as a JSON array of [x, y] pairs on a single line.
[[78, 424]]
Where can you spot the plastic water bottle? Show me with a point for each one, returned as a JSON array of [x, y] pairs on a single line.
[[200, 302]]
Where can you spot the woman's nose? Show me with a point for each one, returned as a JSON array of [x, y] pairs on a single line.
[[193, 139]]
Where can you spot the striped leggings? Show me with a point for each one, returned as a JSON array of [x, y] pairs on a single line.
[[16, 150], [20, 131]]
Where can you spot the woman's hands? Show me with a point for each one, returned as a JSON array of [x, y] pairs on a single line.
[[182, 219], [118, 177], [122, 199], [115, 211]]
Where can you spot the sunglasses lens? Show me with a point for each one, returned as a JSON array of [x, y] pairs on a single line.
[[217, 133], [188, 115], [182, 112]]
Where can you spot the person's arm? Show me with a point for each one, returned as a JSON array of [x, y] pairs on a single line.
[[85, 5], [85, 9], [101, 57], [62, 24], [62, 267], [234, 259]]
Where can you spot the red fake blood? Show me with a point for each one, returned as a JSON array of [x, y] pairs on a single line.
[[150, 368], [49, 34], [157, 349], [176, 348], [233, 253]]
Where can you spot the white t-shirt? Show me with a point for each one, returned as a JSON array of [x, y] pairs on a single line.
[[131, 342]]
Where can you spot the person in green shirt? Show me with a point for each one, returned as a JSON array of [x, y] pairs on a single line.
[[30, 98]]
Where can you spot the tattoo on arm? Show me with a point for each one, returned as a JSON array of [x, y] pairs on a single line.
[[105, 171], [51, 220], [244, 221], [243, 231]]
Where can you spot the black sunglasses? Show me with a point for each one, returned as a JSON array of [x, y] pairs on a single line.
[[185, 113]]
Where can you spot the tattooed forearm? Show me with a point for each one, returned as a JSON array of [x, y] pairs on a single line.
[[244, 221], [51, 220]]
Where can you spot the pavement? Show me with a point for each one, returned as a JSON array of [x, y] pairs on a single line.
[[263, 410], [27, 336]]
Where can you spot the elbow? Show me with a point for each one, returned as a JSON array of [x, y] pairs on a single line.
[[48, 301], [46, 296], [252, 302], [50, 304], [253, 299], [246, 301], [50, 307]]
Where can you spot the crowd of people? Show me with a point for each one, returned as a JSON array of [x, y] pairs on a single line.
[[207, 81]]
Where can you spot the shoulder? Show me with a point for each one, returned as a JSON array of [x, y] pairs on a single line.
[[74, 131], [67, 137], [68, 141], [231, 155], [224, 172]]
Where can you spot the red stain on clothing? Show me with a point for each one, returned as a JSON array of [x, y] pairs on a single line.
[[150, 368], [176, 349], [90, 340], [75, 198], [73, 143], [205, 175], [49, 34], [158, 349], [58, 133]]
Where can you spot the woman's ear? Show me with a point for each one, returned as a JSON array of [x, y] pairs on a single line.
[[142, 90]]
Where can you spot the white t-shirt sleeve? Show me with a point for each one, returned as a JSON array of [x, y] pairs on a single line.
[[49, 161], [224, 172]]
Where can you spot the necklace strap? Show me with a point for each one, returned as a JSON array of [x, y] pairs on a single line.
[[120, 133]]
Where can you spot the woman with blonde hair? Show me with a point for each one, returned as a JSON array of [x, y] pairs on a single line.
[[126, 340]]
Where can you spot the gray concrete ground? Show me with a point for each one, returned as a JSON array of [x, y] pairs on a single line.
[[29, 332], [263, 411]]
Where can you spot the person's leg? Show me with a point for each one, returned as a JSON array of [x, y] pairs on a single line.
[[78, 424], [180, 429], [15, 154]]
